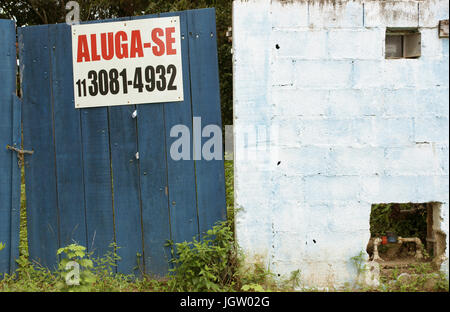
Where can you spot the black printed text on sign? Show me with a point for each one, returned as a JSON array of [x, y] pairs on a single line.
[[127, 62]]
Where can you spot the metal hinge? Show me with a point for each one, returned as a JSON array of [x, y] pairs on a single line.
[[20, 154]]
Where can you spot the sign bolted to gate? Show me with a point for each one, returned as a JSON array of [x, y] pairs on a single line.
[[127, 62]]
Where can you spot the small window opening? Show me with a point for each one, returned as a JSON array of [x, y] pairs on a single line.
[[402, 43], [404, 236]]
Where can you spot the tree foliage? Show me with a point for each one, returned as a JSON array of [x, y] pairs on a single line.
[[387, 218], [35, 12]]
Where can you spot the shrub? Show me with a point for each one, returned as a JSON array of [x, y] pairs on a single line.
[[206, 265]]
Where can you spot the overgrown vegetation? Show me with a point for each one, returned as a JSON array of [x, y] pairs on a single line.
[[415, 277], [395, 218], [359, 261], [405, 220], [211, 264], [229, 186], [214, 263], [206, 265]]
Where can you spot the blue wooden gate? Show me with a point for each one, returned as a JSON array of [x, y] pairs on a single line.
[[9, 135], [84, 182]]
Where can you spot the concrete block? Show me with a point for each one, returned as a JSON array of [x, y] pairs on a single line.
[[432, 73], [356, 44], [401, 73], [251, 11], [319, 245], [399, 102], [349, 217], [368, 74], [443, 156], [288, 131], [404, 189], [252, 159], [288, 188], [418, 159], [252, 142], [431, 11], [300, 102], [372, 131], [254, 237], [386, 132], [431, 46], [346, 103], [324, 131], [445, 48], [289, 216], [256, 109], [282, 72], [391, 14], [287, 14], [431, 129], [323, 74], [432, 102], [432, 189], [286, 247], [340, 188], [299, 44], [335, 14], [250, 34], [325, 275], [389, 189], [356, 161], [304, 160]]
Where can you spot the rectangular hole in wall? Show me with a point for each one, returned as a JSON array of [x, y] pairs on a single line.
[[402, 43], [404, 235]]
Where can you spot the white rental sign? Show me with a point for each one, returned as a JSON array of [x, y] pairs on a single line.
[[127, 62]]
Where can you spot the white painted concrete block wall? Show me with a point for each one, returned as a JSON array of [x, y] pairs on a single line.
[[352, 128]]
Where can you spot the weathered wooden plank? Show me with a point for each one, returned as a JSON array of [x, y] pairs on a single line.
[[97, 180], [7, 158], [125, 168], [154, 188], [153, 175], [204, 73], [98, 176], [67, 132], [181, 173], [15, 184], [38, 132], [126, 186]]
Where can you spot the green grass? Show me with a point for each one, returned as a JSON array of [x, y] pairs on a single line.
[[229, 187], [23, 245]]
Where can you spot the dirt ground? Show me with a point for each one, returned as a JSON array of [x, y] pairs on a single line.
[[400, 265]]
